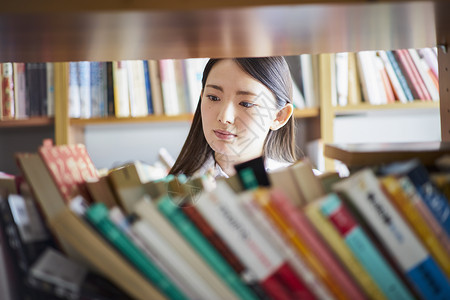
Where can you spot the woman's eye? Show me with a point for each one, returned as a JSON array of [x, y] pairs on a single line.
[[213, 98], [247, 104]]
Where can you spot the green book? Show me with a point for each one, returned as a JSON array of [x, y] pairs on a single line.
[[195, 238], [97, 214]]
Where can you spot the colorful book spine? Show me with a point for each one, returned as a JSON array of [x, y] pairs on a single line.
[[148, 87], [364, 192], [417, 78], [400, 75], [257, 216], [300, 224], [245, 242], [415, 220], [424, 211], [398, 91], [342, 251], [97, 214], [363, 249], [195, 238]]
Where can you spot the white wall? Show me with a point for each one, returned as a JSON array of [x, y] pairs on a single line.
[[113, 145], [411, 125]]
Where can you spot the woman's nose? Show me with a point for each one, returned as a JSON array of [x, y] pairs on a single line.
[[226, 114]]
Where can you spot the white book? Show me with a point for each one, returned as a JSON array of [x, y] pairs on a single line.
[[424, 74], [137, 89], [74, 91], [431, 58], [169, 87], [121, 93], [225, 215], [342, 78], [311, 99], [393, 77], [209, 283], [84, 81], [370, 78], [259, 219], [194, 73]]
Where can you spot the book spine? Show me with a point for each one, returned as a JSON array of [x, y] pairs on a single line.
[[97, 214], [435, 200], [363, 249], [148, 87], [365, 194], [420, 227], [409, 75], [299, 245], [337, 243], [110, 89], [431, 59], [298, 264], [121, 97], [417, 78], [422, 68], [20, 90], [195, 238], [7, 97], [398, 90], [84, 81], [425, 212], [74, 92], [400, 75], [299, 223], [155, 79], [243, 244], [50, 80]]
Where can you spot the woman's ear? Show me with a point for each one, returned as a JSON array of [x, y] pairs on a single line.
[[282, 117]]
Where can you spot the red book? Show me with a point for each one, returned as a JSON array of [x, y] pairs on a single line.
[[70, 167], [7, 91], [300, 224], [416, 74], [409, 75]]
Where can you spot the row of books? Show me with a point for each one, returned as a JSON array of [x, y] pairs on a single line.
[[134, 88], [283, 235], [381, 77], [27, 90]]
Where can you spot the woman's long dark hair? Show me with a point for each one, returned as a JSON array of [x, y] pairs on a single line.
[[273, 72]]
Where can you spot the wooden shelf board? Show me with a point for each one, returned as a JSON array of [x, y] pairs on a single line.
[[30, 122], [147, 119], [311, 112], [418, 104], [57, 31]]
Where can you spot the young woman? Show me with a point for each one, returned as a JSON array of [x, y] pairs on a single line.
[[245, 111]]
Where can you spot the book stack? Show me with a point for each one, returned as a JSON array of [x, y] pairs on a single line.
[[284, 235]]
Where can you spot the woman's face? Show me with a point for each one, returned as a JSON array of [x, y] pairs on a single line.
[[237, 112]]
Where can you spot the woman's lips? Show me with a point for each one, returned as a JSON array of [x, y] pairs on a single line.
[[224, 135]]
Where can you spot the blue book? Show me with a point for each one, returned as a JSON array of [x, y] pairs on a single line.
[[363, 248], [433, 198], [148, 87], [400, 75]]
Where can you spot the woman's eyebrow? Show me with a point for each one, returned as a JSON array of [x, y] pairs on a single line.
[[215, 87]]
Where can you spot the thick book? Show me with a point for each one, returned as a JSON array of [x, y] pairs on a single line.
[[97, 215], [121, 94], [332, 237], [399, 198], [365, 194], [201, 245], [362, 247], [7, 91], [361, 155], [70, 167], [209, 280]]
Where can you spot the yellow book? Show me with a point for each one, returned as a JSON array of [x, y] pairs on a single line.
[[337, 244], [354, 86], [397, 196]]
